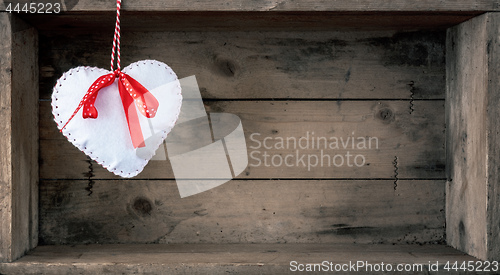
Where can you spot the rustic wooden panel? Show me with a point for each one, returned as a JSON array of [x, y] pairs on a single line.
[[223, 258], [286, 5], [493, 141], [5, 139], [472, 137], [417, 139], [241, 211], [250, 21], [25, 135], [18, 138], [291, 64]]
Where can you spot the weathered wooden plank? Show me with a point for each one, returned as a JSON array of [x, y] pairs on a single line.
[[291, 64], [251, 21], [472, 113], [25, 135], [5, 139], [241, 211], [18, 138], [280, 5], [493, 141], [417, 139], [224, 258]]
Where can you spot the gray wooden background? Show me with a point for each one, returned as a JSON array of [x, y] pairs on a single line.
[[281, 82]]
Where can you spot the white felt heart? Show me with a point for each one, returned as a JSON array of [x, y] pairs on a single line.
[[106, 139]]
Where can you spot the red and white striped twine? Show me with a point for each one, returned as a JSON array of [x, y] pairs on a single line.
[[116, 39]]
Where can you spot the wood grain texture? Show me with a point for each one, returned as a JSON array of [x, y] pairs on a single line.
[[300, 59], [417, 140], [220, 258], [158, 21], [19, 149], [294, 65], [257, 64], [282, 5], [5, 137], [472, 137], [242, 211], [493, 141], [25, 135]]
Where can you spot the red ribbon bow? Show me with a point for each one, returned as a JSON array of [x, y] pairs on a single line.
[[130, 91]]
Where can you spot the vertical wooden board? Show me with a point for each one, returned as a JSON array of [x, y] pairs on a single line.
[[466, 136], [472, 137], [5, 138], [25, 134], [493, 111], [242, 211], [19, 138]]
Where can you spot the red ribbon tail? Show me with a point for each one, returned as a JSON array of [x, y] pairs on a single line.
[[145, 101], [134, 94], [134, 126]]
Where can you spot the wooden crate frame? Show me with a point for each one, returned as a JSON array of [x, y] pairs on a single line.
[[473, 165]]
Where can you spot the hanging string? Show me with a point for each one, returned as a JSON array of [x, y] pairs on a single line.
[[116, 39]]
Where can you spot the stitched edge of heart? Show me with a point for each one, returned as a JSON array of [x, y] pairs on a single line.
[[89, 153]]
